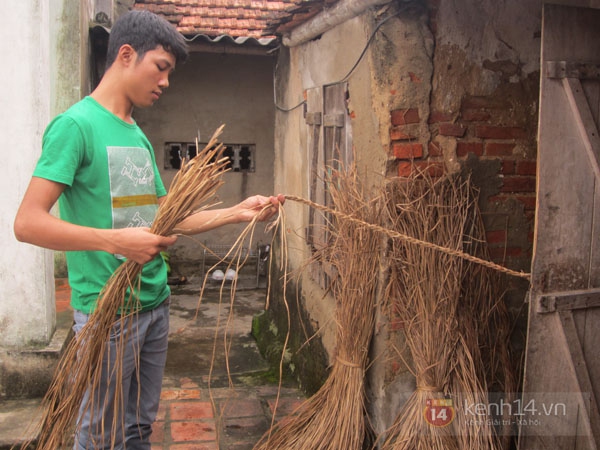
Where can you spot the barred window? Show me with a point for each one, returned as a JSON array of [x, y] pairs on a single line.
[[241, 156]]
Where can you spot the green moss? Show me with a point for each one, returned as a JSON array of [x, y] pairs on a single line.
[[304, 361]]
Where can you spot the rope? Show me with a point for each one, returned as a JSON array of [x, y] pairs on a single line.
[[343, 362], [412, 240], [425, 388]]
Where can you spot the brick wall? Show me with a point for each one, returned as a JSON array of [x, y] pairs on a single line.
[[507, 178]]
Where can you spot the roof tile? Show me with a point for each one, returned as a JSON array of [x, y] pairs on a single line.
[[235, 18]]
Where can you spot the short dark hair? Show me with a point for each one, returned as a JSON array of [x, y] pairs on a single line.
[[145, 31]]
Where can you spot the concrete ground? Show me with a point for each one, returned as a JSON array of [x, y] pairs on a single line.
[[218, 392]]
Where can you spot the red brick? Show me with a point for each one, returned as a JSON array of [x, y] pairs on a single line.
[[405, 116], [498, 132], [496, 237], [435, 149], [180, 394], [158, 432], [452, 129], [405, 169], [398, 133], [169, 394], [499, 149], [242, 408], [407, 150], [518, 184], [499, 253], [530, 214], [434, 169], [528, 201], [501, 198], [526, 168], [191, 410], [508, 167], [463, 148], [197, 446], [62, 291], [193, 431], [474, 115], [189, 394], [439, 116]]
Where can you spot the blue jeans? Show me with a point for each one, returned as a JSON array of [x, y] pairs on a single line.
[[115, 417]]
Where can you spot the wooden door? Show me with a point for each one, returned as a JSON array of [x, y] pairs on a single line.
[[559, 408], [329, 150]]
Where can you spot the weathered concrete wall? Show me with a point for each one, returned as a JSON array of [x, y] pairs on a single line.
[[315, 64], [395, 74], [383, 80], [211, 89]]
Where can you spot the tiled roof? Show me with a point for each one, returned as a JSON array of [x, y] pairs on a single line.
[[298, 12], [234, 18]]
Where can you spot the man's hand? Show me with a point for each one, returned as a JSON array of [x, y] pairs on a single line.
[[258, 205], [139, 244]]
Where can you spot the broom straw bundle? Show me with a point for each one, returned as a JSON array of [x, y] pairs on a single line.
[[334, 418], [79, 368], [446, 304]]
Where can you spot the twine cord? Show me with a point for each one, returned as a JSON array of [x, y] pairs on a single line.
[[343, 362], [410, 239], [425, 388]]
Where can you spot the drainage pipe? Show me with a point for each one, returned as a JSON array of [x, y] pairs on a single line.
[[328, 18]]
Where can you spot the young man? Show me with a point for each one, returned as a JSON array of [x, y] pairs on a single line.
[[106, 211]]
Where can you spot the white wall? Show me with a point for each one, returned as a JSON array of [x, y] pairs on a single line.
[[26, 309], [45, 46]]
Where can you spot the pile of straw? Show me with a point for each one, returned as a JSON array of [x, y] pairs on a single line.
[[335, 418], [455, 322], [79, 367]]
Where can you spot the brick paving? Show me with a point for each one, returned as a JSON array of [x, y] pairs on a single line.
[[193, 416]]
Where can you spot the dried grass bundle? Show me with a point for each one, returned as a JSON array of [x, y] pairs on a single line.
[[334, 418], [448, 305], [79, 368]]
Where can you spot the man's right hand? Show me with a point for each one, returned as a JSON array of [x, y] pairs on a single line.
[[139, 244]]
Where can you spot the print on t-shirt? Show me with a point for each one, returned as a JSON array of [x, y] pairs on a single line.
[[132, 187]]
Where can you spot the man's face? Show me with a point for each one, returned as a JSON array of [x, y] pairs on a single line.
[[149, 76]]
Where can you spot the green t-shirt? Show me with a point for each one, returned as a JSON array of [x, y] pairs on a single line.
[[111, 178]]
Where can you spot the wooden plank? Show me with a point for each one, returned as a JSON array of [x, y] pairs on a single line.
[[564, 301], [314, 108], [584, 121], [338, 143], [545, 384], [587, 399], [572, 69]]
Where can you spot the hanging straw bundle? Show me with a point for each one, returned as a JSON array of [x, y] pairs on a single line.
[[446, 304], [80, 368], [334, 418]]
